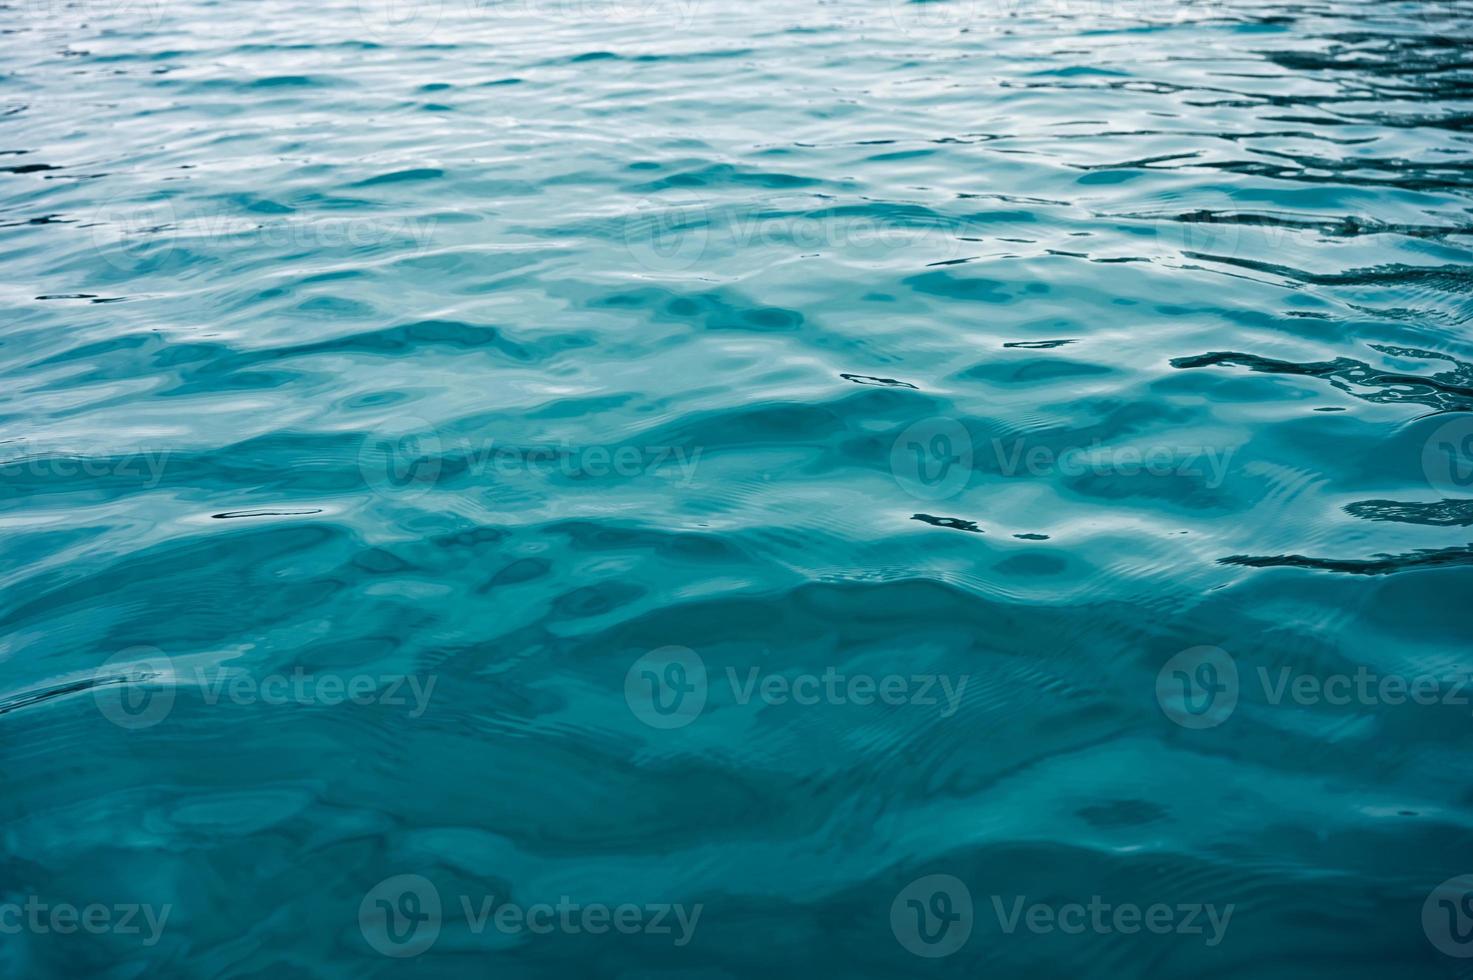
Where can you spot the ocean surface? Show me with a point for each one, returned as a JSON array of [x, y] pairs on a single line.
[[678, 489]]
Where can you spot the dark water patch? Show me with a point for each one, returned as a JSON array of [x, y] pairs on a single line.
[[288, 81], [1449, 391], [1340, 226], [45, 219], [955, 523], [1123, 813], [402, 176], [865, 379], [113, 678], [1377, 565], [234, 514], [717, 175], [1441, 513], [716, 309]]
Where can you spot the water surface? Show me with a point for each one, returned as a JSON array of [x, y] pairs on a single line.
[[755, 456]]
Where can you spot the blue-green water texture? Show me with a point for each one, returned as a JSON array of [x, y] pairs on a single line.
[[695, 490]]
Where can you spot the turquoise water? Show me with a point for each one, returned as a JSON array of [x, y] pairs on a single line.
[[677, 489]]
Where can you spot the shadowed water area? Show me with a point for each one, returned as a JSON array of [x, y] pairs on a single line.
[[754, 457]]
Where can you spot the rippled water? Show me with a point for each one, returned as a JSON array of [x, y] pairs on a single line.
[[847, 474]]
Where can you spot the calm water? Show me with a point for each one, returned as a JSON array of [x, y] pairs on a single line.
[[691, 490]]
